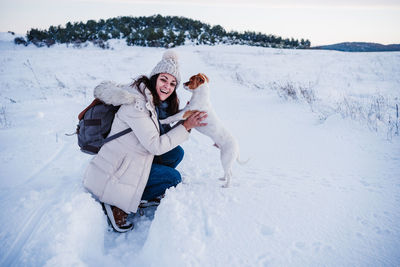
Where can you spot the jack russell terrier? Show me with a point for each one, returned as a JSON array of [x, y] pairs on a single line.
[[200, 101]]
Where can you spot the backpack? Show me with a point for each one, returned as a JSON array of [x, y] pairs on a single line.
[[95, 124]]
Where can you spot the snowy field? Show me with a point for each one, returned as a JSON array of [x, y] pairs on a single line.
[[322, 187]]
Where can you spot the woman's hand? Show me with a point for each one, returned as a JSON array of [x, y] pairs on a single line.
[[195, 120]]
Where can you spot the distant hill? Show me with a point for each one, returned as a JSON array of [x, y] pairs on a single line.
[[153, 31], [359, 47]]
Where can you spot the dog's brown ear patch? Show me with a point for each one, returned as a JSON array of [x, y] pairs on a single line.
[[188, 113], [204, 77]]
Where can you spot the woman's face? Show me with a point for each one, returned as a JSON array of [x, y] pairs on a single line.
[[165, 85]]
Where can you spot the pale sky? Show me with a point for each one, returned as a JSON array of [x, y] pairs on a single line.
[[320, 21]]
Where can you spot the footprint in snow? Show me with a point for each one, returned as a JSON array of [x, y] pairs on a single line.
[[266, 230], [300, 245]]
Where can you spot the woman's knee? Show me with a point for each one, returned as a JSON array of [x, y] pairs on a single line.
[[172, 177], [171, 159], [174, 157], [175, 178], [179, 154]]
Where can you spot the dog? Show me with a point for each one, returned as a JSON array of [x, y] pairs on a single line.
[[224, 140]]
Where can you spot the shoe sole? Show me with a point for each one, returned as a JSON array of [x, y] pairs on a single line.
[[148, 204]]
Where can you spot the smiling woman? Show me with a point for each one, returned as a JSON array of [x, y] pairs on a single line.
[[139, 167], [165, 85]]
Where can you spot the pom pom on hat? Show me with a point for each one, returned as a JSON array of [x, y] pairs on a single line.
[[171, 55], [168, 64]]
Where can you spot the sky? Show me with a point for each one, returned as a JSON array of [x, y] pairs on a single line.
[[320, 21]]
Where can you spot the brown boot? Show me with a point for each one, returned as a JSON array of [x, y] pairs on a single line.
[[117, 218]]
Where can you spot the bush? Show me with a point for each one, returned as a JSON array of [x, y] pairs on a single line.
[[101, 44], [290, 90], [20, 41]]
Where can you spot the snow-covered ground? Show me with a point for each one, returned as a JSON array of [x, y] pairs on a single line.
[[322, 187]]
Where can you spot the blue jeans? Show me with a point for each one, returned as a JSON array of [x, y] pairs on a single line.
[[163, 174]]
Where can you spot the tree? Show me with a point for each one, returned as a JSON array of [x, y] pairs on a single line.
[[218, 31], [180, 39], [157, 30], [170, 39]]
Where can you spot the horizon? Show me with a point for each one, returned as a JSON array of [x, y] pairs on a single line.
[[325, 23]]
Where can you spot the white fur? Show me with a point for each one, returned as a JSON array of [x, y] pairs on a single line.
[[114, 94], [228, 145]]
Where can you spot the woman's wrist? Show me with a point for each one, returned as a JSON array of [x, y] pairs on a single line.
[[186, 126], [195, 120]]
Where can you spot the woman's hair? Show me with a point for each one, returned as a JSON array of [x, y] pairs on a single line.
[[172, 100]]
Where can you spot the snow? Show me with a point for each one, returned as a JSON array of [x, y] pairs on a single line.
[[321, 188]]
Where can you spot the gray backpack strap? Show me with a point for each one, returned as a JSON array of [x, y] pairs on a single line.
[[114, 136]]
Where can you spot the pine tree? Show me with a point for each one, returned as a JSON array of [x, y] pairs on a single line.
[[156, 31]]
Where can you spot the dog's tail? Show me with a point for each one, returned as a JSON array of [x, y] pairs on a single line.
[[242, 162]]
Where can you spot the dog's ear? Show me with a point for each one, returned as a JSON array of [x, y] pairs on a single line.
[[208, 80], [199, 79], [203, 77]]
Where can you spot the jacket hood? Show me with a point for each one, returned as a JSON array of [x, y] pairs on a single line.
[[115, 94]]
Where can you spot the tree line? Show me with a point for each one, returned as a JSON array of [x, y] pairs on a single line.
[[153, 31]]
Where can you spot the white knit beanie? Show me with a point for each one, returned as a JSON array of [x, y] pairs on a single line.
[[168, 64]]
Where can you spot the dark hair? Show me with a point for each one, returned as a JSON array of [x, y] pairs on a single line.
[[172, 100]]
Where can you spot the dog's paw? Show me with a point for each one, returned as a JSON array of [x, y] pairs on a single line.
[[227, 185]]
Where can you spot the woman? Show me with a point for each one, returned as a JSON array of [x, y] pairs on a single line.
[[141, 164]]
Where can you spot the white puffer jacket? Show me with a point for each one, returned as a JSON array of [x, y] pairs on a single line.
[[118, 174]]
